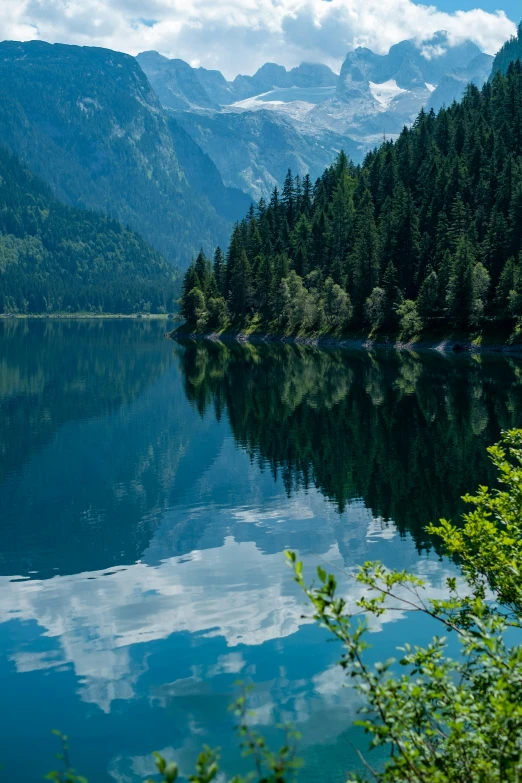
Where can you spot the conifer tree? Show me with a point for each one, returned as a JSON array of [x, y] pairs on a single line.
[[428, 299], [219, 270], [364, 260], [241, 290], [393, 297], [460, 287]]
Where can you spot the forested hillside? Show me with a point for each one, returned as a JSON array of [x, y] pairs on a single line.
[[510, 52], [57, 258], [428, 231], [87, 121]]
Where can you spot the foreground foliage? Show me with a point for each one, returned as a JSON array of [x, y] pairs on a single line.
[[426, 233], [444, 719]]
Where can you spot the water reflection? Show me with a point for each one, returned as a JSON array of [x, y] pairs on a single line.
[[405, 433], [177, 631], [145, 509]]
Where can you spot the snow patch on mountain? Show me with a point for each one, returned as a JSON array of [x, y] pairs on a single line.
[[303, 117], [385, 93]]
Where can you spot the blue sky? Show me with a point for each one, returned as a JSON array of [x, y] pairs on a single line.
[[238, 36], [512, 8]]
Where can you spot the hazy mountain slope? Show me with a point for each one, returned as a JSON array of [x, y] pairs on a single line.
[[254, 149], [55, 257], [87, 121], [175, 82], [204, 177], [453, 85]]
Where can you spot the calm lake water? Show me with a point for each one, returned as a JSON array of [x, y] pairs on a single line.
[[147, 492]]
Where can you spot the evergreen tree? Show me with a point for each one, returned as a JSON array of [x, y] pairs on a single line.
[[460, 289], [393, 297], [191, 282], [241, 289], [203, 270], [427, 302], [218, 267], [364, 260], [289, 200]]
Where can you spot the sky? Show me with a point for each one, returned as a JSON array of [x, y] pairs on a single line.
[[238, 36]]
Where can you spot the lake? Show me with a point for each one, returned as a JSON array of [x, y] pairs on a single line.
[[147, 492]]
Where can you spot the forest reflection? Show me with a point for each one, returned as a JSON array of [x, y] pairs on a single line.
[[406, 433]]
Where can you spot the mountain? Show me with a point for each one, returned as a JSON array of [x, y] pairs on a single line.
[[452, 85], [59, 258], [179, 86], [271, 76], [380, 94], [409, 63], [175, 82], [308, 113], [87, 121], [254, 149]]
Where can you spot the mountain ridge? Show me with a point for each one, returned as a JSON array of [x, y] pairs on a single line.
[[316, 111], [87, 121]]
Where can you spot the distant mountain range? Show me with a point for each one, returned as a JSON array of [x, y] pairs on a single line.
[[255, 127], [177, 153]]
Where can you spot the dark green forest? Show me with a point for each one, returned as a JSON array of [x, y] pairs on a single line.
[[55, 258], [408, 437], [426, 233]]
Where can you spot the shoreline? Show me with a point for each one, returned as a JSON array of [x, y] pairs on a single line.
[[441, 345], [86, 316]]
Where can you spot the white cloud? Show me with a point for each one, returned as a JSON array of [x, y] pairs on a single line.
[[233, 591], [240, 35]]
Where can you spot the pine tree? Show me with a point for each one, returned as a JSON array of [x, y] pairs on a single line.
[[289, 200], [241, 289], [364, 260], [203, 271], [341, 221], [428, 299], [460, 288], [302, 246], [191, 281], [219, 270], [393, 297], [306, 199], [506, 285]]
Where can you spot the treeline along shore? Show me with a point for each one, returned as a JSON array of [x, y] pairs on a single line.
[[420, 242]]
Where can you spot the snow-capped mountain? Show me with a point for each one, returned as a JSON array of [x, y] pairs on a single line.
[[255, 127]]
